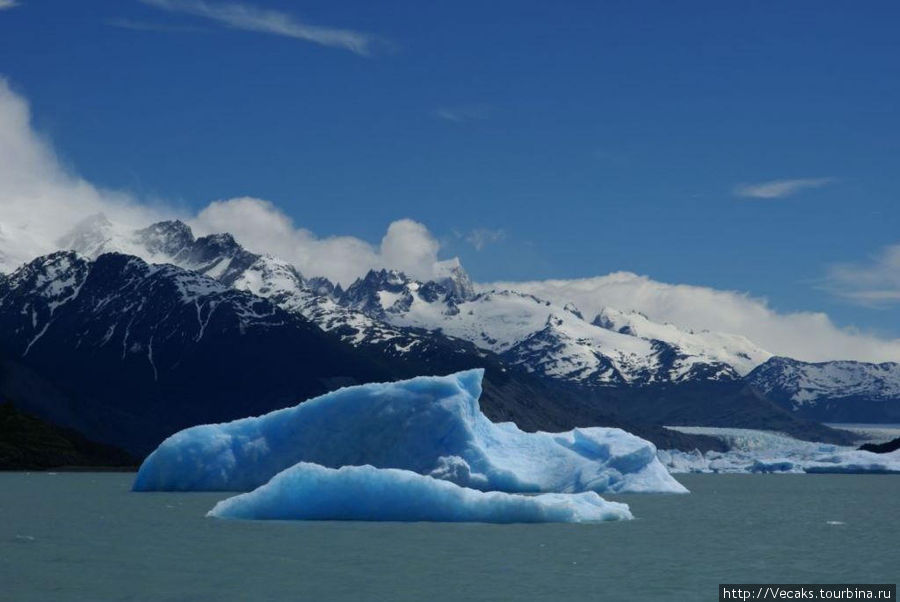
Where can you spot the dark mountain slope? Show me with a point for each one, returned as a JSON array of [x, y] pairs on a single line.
[[129, 353], [29, 443]]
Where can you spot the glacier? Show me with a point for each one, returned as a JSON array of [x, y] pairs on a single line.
[[312, 492], [428, 425], [753, 451]]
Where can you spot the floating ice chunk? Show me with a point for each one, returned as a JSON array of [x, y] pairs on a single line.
[[774, 465], [857, 462], [312, 492], [429, 425]]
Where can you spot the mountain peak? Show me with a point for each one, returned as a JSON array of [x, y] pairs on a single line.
[[223, 241], [323, 287], [384, 278], [89, 236], [169, 238], [52, 280], [455, 279], [371, 294], [170, 226], [573, 309]]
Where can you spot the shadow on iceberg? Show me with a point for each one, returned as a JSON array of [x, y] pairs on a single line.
[[428, 425], [312, 492]]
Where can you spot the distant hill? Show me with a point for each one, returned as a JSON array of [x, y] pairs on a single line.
[[882, 448], [29, 443], [838, 391]]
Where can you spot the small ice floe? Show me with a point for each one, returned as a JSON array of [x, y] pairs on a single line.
[[313, 492], [24, 538]]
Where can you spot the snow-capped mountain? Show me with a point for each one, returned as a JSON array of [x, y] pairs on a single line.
[[735, 350], [317, 299], [392, 312], [125, 351], [397, 317], [546, 339], [220, 257], [838, 391], [128, 352], [42, 288]]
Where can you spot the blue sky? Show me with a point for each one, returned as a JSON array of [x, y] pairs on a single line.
[[578, 139]]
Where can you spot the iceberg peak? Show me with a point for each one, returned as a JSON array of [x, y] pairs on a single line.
[[470, 382]]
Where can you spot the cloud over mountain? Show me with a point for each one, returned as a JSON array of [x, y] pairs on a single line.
[[40, 201], [810, 336], [261, 226]]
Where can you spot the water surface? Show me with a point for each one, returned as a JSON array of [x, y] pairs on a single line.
[[85, 536]]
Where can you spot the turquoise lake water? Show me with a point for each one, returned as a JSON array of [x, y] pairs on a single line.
[[85, 536]]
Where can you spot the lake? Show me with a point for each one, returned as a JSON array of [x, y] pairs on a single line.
[[85, 536]]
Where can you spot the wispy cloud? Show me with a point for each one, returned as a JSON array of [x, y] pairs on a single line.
[[482, 237], [463, 113], [776, 189], [251, 18], [151, 26], [874, 283], [5, 4]]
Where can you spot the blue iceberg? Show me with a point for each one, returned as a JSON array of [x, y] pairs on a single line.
[[428, 425], [312, 492]]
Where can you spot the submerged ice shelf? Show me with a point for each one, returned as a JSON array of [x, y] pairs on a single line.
[[762, 451], [428, 425], [312, 492]]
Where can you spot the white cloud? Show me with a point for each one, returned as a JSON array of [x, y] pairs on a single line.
[[261, 226], [482, 237], [5, 4], [776, 189], [875, 283], [410, 247], [251, 18], [463, 113], [40, 201], [809, 336]]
